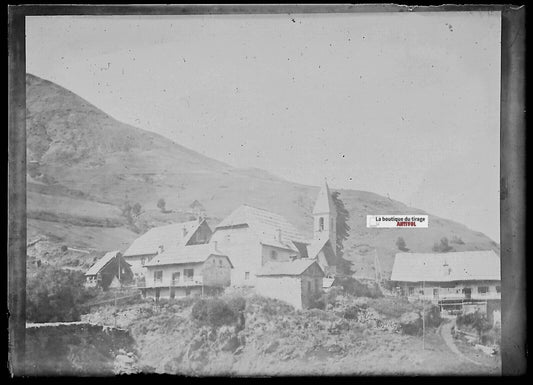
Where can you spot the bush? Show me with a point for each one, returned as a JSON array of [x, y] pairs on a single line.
[[237, 304], [54, 295], [474, 320], [351, 312], [213, 312], [354, 287]]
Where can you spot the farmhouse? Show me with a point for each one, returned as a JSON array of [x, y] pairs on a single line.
[[109, 271], [457, 280], [295, 282], [252, 237], [187, 270], [161, 238]]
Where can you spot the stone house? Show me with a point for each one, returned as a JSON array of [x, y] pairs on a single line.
[[294, 282], [187, 270]]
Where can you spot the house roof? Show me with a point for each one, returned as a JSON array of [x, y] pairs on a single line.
[[168, 236], [316, 245], [266, 225], [446, 267], [186, 254], [102, 262], [296, 267], [324, 203]]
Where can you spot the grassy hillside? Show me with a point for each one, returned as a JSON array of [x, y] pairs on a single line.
[[83, 166]]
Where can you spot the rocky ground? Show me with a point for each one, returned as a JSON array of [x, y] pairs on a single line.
[[348, 338]]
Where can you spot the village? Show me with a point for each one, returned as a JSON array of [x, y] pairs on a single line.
[[257, 251]]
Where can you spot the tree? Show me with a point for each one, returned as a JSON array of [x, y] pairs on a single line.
[[54, 294], [343, 231], [161, 204], [443, 246], [400, 243], [136, 209]]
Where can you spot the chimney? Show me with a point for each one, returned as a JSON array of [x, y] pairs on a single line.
[[184, 231], [160, 249]]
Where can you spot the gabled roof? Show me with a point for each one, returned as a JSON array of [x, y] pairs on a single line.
[[168, 236], [446, 267], [266, 225], [102, 262], [186, 254], [316, 245], [296, 267], [324, 202]]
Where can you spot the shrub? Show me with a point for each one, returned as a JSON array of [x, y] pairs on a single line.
[[136, 209], [442, 246], [199, 311], [213, 312], [401, 245], [457, 240], [354, 287], [351, 312], [237, 304]]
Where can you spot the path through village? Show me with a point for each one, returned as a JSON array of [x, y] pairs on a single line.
[[446, 334]]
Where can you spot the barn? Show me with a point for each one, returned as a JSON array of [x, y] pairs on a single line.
[[111, 268]]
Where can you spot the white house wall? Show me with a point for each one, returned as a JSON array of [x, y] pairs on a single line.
[[244, 251], [284, 288]]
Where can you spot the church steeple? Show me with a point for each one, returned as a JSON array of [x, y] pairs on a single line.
[[325, 216]]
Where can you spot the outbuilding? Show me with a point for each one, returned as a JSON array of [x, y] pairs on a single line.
[[294, 282], [111, 268]]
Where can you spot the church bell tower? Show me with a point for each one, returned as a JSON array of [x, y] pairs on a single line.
[[325, 217]]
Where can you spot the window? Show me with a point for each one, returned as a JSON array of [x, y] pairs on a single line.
[[187, 291], [246, 275], [498, 289], [176, 277], [435, 292], [273, 254], [309, 286], [411, 290], [143, 261], [321, 224], [158, 276], [220, 262], [482, 289], [188, 274]]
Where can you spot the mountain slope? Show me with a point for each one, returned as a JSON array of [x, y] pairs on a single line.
[[83, 165]]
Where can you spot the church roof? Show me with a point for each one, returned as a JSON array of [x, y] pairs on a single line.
[[324, 202], [168, 236], [272, 229]]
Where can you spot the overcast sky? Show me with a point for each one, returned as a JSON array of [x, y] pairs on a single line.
[[404, 105]]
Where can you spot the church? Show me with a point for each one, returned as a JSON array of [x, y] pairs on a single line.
[[252, 237]]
